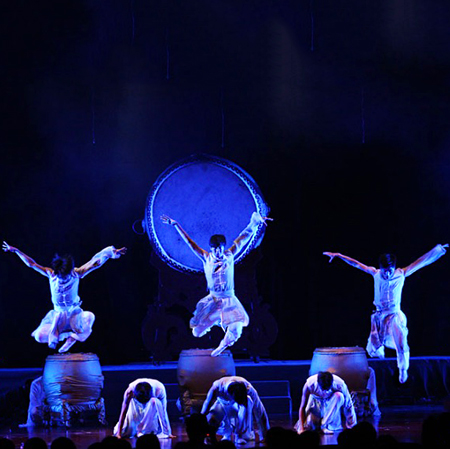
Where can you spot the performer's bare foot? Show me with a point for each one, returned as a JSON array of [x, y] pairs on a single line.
[[219, 349], [403, 376], [67, 345], [380, 352]]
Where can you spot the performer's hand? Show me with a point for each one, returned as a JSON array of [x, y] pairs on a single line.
[[257, 218], [445, 246], [331, 256], [119, 252], [7, 248], [172, 437], [167, 220]]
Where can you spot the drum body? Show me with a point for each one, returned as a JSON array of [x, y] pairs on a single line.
[[72, 379], [349, 363], [197, 371], [207, 195]]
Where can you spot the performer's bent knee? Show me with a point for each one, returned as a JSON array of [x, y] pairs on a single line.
[[339, 397], [41, 337]]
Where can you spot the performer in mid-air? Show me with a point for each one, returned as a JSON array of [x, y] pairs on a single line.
[[325, 401], [144, 410], [388, 322], [220, 307], [67, 321], [232, 405]]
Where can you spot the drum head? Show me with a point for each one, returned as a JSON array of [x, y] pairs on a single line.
[[207, 195]]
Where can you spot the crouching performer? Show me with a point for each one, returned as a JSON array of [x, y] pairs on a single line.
[[144, 410], [325, 400], [231, 406], [221, 307], [67, 321]]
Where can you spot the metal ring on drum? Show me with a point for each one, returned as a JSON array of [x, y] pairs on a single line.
[[207, 195]]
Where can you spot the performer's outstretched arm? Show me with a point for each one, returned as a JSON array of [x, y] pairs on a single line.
[[210, 398], [123, 411], [302, 411], [27, 260], [99, 259], [164, 418], [243, 238], [352, 262], [428, 258], [259, 412], [185, 236]]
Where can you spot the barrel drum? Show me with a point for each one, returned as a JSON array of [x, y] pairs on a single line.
[[72, 385], [349, 363], [196, 372]]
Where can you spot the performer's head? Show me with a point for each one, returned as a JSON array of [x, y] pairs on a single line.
[[143, 392], [63, 265], [388, 263], [217, 244], [238, 391], [325, 380]]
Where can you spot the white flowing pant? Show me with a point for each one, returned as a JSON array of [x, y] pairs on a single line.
[[327, 413], [144, 418], [233, 418]]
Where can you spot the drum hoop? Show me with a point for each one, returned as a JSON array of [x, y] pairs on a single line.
[[261, 206]]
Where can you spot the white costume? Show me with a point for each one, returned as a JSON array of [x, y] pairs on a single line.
[[235, 418], [37, 400], [146, 418], [324, 409], [67, 319], [221, 306], [388, 322]]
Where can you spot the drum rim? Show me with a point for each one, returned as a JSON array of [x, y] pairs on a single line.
[[260, 204]]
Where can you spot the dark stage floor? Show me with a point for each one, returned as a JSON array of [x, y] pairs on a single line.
[[402, 422]]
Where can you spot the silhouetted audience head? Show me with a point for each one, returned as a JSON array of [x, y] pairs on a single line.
[[387, 442], [63, 443], [280, 438], [115, 443], [6, 444], [35, 443], [148, 441], [308, 439], [197, 427], [96, 445], [362, 435], [436, 430], [225, 444]]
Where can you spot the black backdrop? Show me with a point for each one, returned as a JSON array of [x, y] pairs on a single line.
[[339, 110]]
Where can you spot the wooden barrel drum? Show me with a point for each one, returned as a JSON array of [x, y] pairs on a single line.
[[349, 363], [196, 372], [72, 385]]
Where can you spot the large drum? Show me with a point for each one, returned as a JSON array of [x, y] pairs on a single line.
[[72, 379], [72, 386], [348, 363], [207, 195], [197, 371]]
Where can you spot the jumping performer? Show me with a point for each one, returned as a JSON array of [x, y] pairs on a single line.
[[67, 321], [220, 307], [388, 322]]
